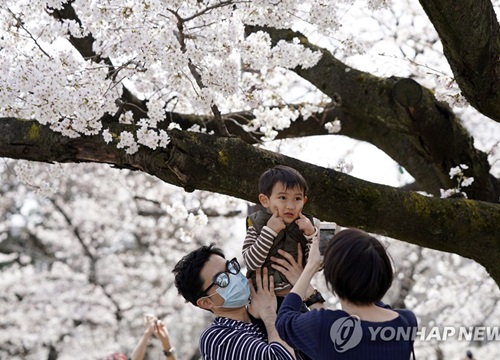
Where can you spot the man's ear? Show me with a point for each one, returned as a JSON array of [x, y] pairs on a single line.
[[264, 200], [205, 303], [305, 199]]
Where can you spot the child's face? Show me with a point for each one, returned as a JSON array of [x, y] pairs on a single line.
[[288, 201]]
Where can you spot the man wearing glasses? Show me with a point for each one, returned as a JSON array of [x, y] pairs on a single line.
[[207, 280]]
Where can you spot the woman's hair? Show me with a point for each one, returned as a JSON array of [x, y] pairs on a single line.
[[357, 268]]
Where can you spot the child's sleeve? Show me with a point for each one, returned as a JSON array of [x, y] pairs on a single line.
[[256, 247], [314, 234], [310, 237]]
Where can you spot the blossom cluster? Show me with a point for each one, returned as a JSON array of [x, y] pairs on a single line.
[[447, 90], [268, 120], [103, 245], [334, 126], [152, 49], [462, 181], [344, 166], [45, 185]]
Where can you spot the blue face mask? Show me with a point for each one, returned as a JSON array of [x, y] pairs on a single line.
[[237, 293]]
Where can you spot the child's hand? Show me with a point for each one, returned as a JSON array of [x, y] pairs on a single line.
[[305, 225], [275, 222]]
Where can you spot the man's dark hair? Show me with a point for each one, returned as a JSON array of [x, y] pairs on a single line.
[[290, 177], [357, 268], [187, 272]]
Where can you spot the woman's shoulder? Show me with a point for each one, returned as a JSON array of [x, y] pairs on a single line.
[[405, 314], [330, 313], [408, 316]]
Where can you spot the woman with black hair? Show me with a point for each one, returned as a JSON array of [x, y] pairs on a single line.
[[359, 271]]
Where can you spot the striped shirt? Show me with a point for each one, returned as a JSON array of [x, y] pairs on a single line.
[[233, 339], [256, 246]]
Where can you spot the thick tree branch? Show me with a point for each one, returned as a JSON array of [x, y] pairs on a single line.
[[369, 112], [198, 161], [470, 35], [429, 178], [395, 115]]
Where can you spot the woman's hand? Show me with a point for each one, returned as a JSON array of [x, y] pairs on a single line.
[[314, 261], [288, 266]]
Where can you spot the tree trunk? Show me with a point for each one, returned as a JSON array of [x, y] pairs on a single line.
[[470, 34]]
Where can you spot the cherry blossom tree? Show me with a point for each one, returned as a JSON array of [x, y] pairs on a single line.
[[75, 282], [192, 92], [121, 82]]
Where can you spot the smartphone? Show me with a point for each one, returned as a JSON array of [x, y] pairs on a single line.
[[326, 233]]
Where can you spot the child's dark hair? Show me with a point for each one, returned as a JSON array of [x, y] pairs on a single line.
[[187, 272], [290, 177], [357, 268]]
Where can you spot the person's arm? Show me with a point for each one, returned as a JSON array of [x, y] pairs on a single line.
[[312, 267], [309, 229], [263, 306], [140, 348], [290, 267], [161, 332], [302, 330], [256, 247]]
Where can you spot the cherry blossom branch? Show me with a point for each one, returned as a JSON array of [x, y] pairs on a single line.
[[220, 128], [20, 23]]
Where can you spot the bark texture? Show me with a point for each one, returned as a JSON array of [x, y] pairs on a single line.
[[401, 118], [397, 115], [470, 34], [231, 166]]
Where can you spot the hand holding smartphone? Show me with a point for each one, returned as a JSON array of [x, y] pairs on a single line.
[[326, 232]]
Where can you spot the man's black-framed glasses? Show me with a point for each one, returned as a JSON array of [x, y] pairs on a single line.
[[221, 279]]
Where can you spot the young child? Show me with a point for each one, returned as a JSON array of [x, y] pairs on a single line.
[[280, 225]]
